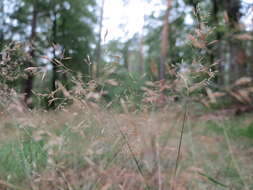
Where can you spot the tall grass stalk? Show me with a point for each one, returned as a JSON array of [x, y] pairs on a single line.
[[246, 186], [108, 164], [158, 163], [193, 152], [179, 145], [136, 161]]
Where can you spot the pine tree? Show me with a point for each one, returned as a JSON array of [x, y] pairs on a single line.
[[65, 24]]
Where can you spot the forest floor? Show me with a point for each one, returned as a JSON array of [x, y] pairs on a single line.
[[98, 149]]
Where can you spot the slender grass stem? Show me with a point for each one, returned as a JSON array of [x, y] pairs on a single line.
[[181, 139], [132, 153], [180, 144], [246, 186]]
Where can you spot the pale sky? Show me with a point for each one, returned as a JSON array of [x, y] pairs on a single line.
[[131, 17]]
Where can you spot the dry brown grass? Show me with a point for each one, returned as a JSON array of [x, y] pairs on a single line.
[[85, 146], [86, 150]]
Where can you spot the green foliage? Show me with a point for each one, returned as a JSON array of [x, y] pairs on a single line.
[[22, 158], [74, 32], [128, 88], [235, 128], [58, 29], [248, 131], [13, 63], [213, 126]]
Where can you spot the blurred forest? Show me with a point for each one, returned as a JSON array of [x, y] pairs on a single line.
[[165, 108], [51, 46]]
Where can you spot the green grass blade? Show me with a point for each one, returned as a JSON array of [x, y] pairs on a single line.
[[212, 179]]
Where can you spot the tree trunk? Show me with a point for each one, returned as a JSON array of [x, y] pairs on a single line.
[[164, 41], [196, 12], [125, 53], [217, 49], [28, 85], [54, 70], [237, 61], [98, 52], [2, 24], [251, 54], [142, 69]]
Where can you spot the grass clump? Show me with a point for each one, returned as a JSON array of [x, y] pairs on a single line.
[[23, 158], [90, 149], [235, 127]]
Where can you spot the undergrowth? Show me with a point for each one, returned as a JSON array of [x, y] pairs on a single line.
[[83, 150], [121, 131]]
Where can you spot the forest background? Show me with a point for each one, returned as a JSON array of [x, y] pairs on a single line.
[[50, 36], [66, 78]]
